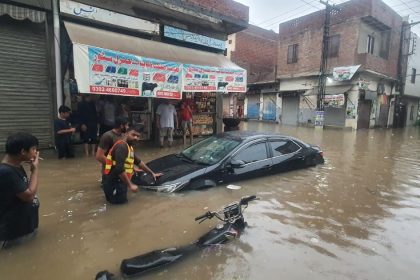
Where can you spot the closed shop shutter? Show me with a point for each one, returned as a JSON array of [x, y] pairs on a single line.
[[253, 108], [25, 101], [290, 110], [335, 116], [269, 111]]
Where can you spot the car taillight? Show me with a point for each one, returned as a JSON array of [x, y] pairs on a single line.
[[321, 153]]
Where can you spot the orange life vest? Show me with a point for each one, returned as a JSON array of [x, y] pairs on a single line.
[[128, 164]]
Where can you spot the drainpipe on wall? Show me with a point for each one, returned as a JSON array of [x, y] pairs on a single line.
[[57, 52]]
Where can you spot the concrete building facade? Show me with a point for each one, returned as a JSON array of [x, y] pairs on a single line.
[[410, 99], [364, 43]]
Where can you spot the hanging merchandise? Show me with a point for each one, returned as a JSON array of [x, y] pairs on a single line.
[[204, 110]]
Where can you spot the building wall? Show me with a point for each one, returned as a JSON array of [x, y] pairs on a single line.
[[255, 49], [413, 89], [225, 7], [307, 32]]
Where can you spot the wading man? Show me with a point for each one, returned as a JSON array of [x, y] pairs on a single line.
[[119, 167]]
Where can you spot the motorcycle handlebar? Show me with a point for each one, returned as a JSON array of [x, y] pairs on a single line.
[[205, 215], [247, 199]]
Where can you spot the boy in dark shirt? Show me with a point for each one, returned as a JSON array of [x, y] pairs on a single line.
[[63, 132], [119, 167], [18, 202]]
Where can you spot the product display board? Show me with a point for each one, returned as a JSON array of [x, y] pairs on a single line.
[[204, 109]]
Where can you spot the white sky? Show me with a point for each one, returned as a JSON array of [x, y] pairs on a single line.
[[269, 13]]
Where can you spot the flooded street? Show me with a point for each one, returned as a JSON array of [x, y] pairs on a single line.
[[355, 217]]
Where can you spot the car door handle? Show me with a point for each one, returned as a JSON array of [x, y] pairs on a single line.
[[267, 166]]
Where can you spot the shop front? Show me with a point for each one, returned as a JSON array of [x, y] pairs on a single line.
[[145, 72], [290, 105], [26, 99]]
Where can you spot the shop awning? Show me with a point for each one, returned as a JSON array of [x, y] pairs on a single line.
[[21, 13], [132, 45], [110, 63]]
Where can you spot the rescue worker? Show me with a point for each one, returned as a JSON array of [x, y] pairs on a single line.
[[119, 167]]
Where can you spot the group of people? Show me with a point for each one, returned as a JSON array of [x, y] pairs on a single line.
[[18, 201], [90, 114], [104, 112]]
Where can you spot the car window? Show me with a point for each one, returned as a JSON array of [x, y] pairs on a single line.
[[210, 150], [252, 153], [283, 147]]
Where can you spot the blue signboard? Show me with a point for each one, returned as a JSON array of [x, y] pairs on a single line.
[[186, 36]]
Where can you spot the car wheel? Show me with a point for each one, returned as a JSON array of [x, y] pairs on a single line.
[[202, 184], [310, 161]]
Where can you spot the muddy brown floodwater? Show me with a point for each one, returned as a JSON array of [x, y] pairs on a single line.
[[355, 217]]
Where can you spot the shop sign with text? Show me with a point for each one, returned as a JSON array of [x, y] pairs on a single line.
[[102, 71], [204, 78], [344, 73]]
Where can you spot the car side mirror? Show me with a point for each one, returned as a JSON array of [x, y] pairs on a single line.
[[236, 163]]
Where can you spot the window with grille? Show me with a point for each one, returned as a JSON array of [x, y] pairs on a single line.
[[292, 54], [370, 44], [413, 75]]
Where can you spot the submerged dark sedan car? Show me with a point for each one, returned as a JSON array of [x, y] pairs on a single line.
[[229, 157]]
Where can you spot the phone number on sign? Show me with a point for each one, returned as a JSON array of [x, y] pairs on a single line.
[[124, 91]]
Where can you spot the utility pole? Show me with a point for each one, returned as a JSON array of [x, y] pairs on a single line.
[[319, 118]]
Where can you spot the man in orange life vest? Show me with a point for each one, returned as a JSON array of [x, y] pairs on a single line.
[[119, 167]]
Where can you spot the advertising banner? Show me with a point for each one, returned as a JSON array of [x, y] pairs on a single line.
[[102, 71], [204, 78], [344, 73], [160, 78], [335, 100], [113, 72]]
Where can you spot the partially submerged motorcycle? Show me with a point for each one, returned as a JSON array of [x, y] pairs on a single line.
[[232, 227]]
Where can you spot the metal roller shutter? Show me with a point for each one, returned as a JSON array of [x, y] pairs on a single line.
[[253, 106], [25, 101], [269, 111]]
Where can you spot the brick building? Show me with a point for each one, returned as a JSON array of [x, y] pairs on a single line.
[[363, 55], [255, 49]]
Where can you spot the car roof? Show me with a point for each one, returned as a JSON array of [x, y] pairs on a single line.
[[251, 135]]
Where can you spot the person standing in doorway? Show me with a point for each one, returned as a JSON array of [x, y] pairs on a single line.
[[166, 120], [63, 133], [186, 121], [107, 112], [18, 201], [88, 120]]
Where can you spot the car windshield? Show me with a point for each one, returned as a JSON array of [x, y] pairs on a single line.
[[210, 150]]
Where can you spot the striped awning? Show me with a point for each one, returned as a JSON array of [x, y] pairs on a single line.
[[21, 13]]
